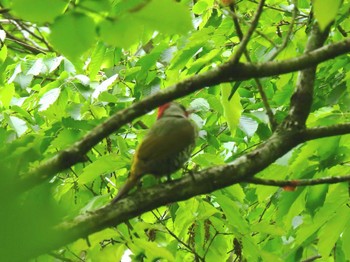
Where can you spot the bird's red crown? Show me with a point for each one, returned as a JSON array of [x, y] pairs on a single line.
[[161, 110]]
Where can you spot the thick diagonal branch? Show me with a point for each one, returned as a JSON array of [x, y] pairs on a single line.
[[302, 98], [204, 182], [241, 170], [224, 73]]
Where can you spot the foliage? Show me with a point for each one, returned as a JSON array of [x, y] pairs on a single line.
[[67, 66]]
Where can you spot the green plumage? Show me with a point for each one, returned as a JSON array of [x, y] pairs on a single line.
[[165, 148]]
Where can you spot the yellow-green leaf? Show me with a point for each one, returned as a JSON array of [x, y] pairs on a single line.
[[73, 34], [325, 11], [232, 108], [166, 16], [102, 165], [38, 11], [123, 32]]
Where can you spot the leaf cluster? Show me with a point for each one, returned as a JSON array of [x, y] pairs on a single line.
[[67, 67]]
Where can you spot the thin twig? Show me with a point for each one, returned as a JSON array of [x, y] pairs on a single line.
[[290, 30], [242, 46], [265, 209], [227, 72], [177, 238], [210, 243], [268, 109], [32, 49], [41, 38], [271, 7], [272, 43], [310, 259], [326, 131], [60, 257], [21, 29], [204, 146]]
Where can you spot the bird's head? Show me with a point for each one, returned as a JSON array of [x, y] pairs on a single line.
[[172, 109]]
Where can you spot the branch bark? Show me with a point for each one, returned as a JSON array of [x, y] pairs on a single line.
[[298, 182], [303, 96], [241, 170], [226, 73]]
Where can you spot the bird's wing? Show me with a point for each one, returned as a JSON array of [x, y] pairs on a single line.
[[162, 144]]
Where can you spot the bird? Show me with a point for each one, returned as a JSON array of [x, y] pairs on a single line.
[[165, 148]]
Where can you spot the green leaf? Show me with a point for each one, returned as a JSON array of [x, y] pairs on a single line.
[[78, 124], [122, 146], [73, 34], [248, 125], [6, 94], [153, 251], [97, 59], [325, 11], [265, 227], [200, 7], [52, 63], [103, 165], [346, 241], [123, 32], [96, 5], [315, 197], [49, 98], [206, 210], [24, 114], [37, 68], [38, 11], [218, 249], [232, 108], [23, 80], [148, 61], [66, 138], [203, 61], [17, 124], [183, 56], [336, 198], [282, 96], [104, 86], [233, 216], [332, 230], [185, 215], [166, 16], [290, 205], [236, 192], [3, 54], [207, 159]]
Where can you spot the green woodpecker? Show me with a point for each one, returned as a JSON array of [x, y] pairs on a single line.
[[165, 148]]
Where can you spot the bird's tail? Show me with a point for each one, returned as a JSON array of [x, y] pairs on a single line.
[[129, 184]]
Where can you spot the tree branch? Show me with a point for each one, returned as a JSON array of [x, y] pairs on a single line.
[[225, 73], [326, 131], [303, 96], [240, 170], [298, 182], [144, 200]]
